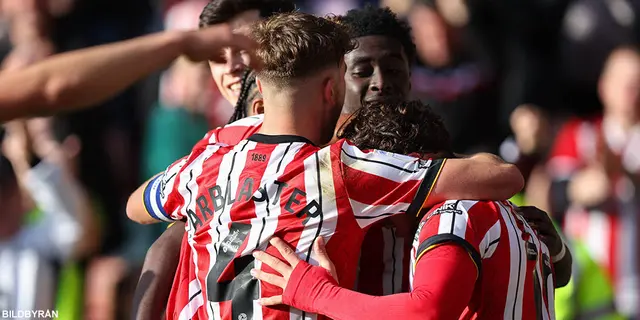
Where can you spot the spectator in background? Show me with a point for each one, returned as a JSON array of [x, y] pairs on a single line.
[[457, 76], [184, 15], [48, 220], [53, 136], [523, 36], [589, 293], [29, 23], [595, 169], [591, 30], [528, 148], [111, 131], [177, 120]]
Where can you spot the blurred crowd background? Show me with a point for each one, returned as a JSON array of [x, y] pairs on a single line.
[[552, 85]]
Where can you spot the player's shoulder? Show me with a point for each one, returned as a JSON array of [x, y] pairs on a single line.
[[352, 153], [473, 209], [233, 133]]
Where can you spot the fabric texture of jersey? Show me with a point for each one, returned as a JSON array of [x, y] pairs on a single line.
[[185, 297], [515, 275], [236, 197], [385, 258]]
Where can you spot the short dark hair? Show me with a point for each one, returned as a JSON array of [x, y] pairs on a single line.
[[296, 45], [403, 128], [220, 11], [248, 93], [375, 21]]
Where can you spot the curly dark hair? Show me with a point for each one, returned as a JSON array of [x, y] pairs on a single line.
[[403, 128], [248, 93], [219, 11], [375, 21]]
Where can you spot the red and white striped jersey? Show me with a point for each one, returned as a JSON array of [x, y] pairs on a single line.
[[235, 198], [385, 258], [515, 272], [185, 298]]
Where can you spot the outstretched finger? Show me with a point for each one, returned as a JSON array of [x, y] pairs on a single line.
[[286, 251], [269, 278], [270, 301], [273, 262]]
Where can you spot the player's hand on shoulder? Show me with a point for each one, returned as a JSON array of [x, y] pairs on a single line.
[[541, 222]]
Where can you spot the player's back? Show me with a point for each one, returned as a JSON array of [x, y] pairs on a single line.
[[515, 275], [236, 197], [244, 195]]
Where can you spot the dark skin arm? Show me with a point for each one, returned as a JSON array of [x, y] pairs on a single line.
[[540, 221], [158, 271]]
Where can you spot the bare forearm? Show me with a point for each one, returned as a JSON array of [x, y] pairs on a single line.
[[84, 77], [509, 179], [482, 176]]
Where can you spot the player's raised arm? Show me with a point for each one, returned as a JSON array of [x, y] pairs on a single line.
[[85, 77]]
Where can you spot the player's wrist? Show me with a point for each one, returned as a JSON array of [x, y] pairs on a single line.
[[307, 286], [560, 255], [176, 42]]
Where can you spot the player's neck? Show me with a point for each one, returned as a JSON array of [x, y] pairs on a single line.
[[289, 124], [291, 115]]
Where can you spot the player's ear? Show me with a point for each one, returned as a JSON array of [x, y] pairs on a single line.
[[328, 90], [258, 106], [259, 84]]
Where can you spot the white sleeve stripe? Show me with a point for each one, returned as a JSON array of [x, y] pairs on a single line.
[[367, 214], [489, 242], [378, 160], [169, 178], [152, 202], [453, 219], [384, 165]]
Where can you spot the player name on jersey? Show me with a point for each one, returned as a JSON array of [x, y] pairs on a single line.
[[213, 200]]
